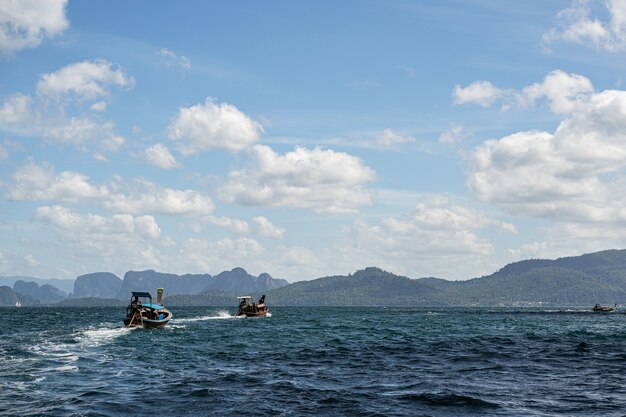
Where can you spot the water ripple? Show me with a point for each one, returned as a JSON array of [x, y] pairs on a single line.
[[322, 362]]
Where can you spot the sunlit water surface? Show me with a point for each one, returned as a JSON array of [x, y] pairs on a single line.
[[314, 361]]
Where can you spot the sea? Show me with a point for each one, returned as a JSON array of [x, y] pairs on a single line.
[[319, 361]]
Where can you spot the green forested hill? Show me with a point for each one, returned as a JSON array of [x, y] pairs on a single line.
[[371, 286], [581, 280]]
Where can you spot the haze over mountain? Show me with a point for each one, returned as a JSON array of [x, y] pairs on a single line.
[[579, 280], [45, 294], [66, 285]]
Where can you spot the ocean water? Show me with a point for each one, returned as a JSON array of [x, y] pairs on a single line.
[[314, 362]]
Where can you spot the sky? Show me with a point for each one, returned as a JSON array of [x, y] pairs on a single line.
[[307, 139]]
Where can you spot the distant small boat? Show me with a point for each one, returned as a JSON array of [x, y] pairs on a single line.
[[18, 304], [604, 309], [146, 314], [248, 308]]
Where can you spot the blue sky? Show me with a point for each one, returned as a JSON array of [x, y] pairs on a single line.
[[306, 139]]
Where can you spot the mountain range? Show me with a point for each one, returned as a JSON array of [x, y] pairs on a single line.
[[583, 280]]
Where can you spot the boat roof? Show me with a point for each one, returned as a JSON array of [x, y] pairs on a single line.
[[245, 297], [141, 294]]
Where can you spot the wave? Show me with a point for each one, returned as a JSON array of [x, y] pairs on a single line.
[[63, 368], [446, 400]]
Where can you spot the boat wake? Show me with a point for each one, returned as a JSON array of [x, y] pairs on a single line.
[[221, 315], [100, 336]]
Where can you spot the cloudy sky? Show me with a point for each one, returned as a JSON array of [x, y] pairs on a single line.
[[306, 139]]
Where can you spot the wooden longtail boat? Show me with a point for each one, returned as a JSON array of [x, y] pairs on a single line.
[[248, 308], [604, 309], [144, 313]]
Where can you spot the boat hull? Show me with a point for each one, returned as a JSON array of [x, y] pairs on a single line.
[[147, 323], [257, 314]]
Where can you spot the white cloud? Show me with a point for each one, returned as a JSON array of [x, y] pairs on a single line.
[[389, 138], [82, 132], [324, 180], [87, 80], [570, 239], [121, 239], [564, 91], [170, 59], [16, 110], [25, 23], [77, 226], [481, 92], [578, 26], [573, 174], [213, 126], [265, 228], [160, 156], [147, 197], [443, 232], [40, 182], [236, 225], [455, 134], [31, 261], [99, 106], [202, 255]]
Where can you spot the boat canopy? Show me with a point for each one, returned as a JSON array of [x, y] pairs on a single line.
[[245, 297], [141, 294]]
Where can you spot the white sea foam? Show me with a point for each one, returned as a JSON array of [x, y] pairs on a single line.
[[63, 368], [57, 351], [220, 316], [97, 337]]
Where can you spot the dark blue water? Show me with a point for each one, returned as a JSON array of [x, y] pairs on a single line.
[[322, 361]]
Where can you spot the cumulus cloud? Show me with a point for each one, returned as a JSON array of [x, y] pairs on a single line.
[[25, 23], [160, 156], [481, 92], [87, 80], [202, 255], [265, 228], [31, 261], [37, 182], [40, 182], [455, 134], [437, 229], [563, 91], [389, 138], [147, 197], [16, 110], [236, 225], [76, 225], [213, 126], [118, 239], [85, 133], [567, 239], [576, 24], [324, 180], [571, 174]]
